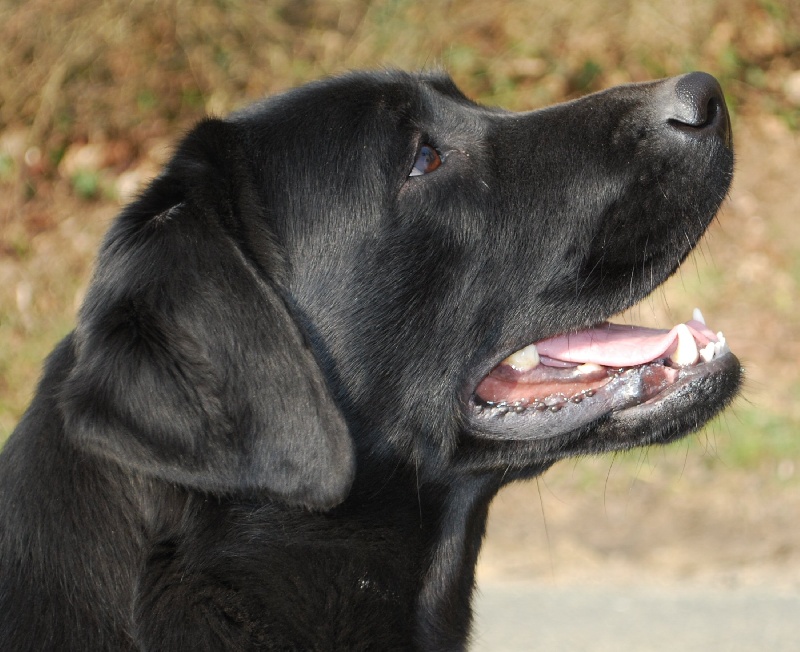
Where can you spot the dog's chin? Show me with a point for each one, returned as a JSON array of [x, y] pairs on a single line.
[[684, 406], [594, 408]]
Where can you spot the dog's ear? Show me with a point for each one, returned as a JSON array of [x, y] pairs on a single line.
[[189, 365]]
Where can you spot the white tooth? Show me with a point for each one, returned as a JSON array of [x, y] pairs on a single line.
[[686, 353], [524, 359], [707, 352], [588, 368], [720, 346], [698, 316]]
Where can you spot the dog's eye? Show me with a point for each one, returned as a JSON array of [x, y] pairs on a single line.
[[428, 160]]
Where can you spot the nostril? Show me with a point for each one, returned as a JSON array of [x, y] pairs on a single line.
[[698, 106], [701, 117]]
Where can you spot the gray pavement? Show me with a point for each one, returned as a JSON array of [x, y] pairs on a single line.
[[524, 617]]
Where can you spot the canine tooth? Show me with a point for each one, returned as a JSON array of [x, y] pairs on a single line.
[[720, 346], [698, 316], [524, 359], [686, 353]]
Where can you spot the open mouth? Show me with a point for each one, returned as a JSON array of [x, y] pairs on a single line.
[[566, 381]]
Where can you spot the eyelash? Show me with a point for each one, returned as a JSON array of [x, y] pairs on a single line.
[[428, 160]]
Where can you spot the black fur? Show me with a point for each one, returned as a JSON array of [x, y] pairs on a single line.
[[259, 434]]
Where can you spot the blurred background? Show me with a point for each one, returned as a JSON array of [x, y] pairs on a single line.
[[93, 96]]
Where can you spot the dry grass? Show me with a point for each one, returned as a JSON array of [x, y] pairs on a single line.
[[122, 69], [92, 94]]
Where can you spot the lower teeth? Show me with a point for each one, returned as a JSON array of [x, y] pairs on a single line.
[[553, 403]]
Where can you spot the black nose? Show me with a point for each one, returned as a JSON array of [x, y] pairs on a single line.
[[697, 107]]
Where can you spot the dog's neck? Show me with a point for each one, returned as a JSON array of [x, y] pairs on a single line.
[[449, 581]]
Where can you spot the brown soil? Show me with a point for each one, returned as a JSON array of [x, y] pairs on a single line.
[[731, 529]]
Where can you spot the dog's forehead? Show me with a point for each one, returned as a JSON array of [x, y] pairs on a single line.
[[394, 96], [443, 86], [391, 87]]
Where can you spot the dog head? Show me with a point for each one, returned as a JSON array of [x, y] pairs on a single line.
[[334, 272]]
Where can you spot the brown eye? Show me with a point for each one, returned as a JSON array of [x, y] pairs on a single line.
[[428, 160]]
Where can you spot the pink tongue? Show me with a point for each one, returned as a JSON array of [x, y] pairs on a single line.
[[616, 345]]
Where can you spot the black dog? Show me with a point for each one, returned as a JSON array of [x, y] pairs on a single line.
[[289, 399]]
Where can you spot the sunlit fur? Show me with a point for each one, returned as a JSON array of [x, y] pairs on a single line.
[[258, 436]]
